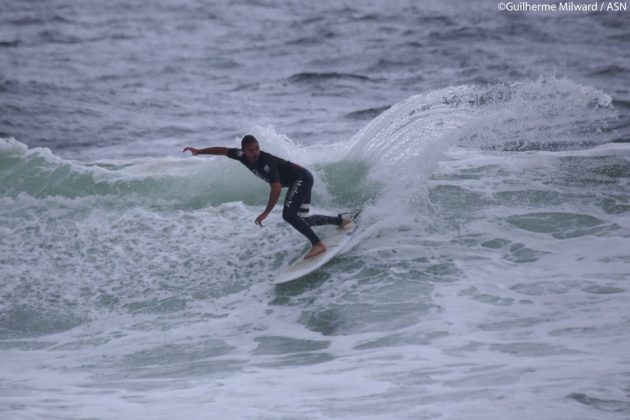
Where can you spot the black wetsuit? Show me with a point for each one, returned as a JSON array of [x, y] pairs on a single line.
[[297, 202]]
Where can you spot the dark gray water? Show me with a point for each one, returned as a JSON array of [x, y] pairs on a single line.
[[141, 78]]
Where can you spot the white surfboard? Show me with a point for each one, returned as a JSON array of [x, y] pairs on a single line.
[[335, 243]]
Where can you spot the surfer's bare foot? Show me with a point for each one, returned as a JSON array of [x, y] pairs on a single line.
[[317, 249], [345, 221]]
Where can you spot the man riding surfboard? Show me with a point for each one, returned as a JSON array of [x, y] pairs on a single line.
[[280, 173]]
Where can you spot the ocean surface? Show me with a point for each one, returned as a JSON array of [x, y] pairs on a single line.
[[489, 151]]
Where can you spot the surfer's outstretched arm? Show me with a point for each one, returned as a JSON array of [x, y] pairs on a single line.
[[207, 151]]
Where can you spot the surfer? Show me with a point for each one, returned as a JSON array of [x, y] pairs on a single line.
[[280, 173]]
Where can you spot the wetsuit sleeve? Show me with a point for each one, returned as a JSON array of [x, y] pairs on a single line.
[[236, 154]]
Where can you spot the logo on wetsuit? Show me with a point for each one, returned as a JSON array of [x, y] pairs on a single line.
[[294, 189], [262, 176]]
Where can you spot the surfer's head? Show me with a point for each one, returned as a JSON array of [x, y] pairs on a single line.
[[250, 147]]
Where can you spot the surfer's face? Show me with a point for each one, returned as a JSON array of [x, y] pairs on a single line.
[[252, 152]]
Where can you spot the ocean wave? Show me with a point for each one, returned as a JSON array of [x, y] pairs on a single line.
[[544, 114], [39, 173], [185, 182], [402, 144], [308, 77]]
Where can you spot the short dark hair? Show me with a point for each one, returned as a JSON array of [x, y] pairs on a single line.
[[247, 140]]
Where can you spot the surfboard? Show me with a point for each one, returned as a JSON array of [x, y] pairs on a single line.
[[335, 243]]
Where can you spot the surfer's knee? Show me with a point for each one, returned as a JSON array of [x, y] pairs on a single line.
[[288, 215]]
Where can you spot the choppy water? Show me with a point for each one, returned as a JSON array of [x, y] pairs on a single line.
[[488, 151]]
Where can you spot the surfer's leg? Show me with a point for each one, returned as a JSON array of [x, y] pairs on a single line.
[[292, 205], [320, 220], [316, 219]]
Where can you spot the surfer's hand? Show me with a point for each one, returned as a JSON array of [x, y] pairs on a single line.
[[262, 216], [191, 150]]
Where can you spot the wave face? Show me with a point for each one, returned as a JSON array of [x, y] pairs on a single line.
[[490, 265]]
